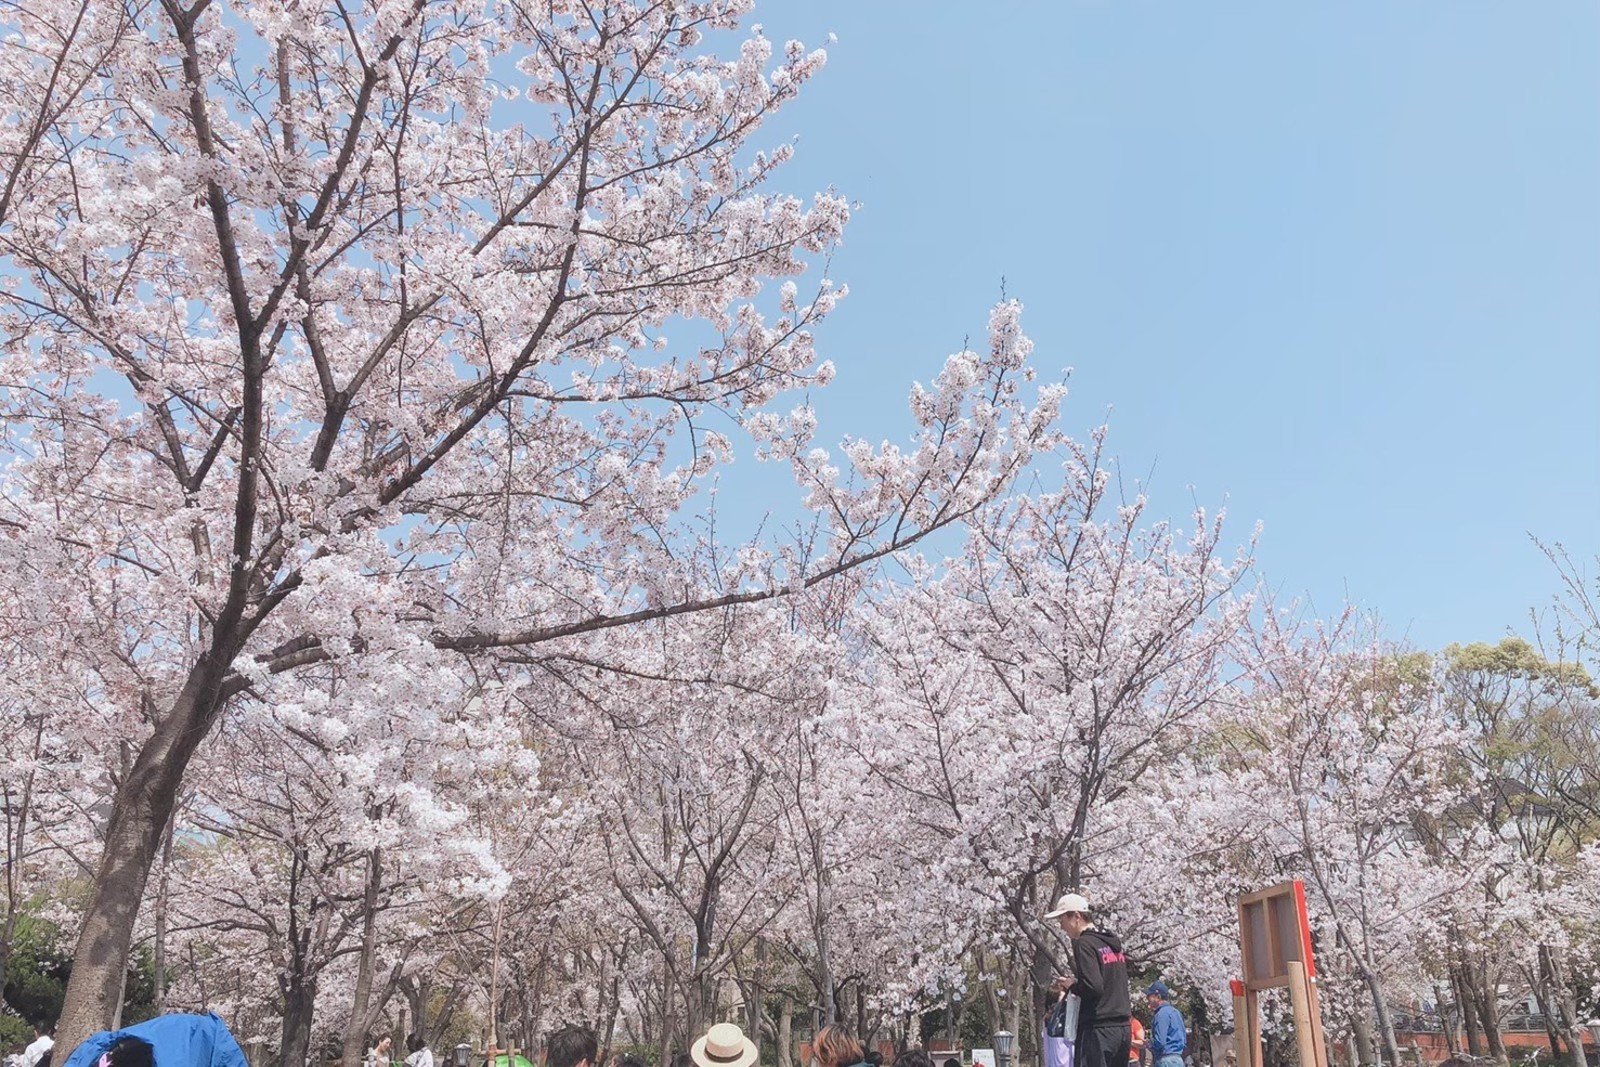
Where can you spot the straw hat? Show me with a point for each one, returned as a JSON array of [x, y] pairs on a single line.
[[724, 1046]]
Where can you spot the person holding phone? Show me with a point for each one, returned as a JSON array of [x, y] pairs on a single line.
[[1100, 982]]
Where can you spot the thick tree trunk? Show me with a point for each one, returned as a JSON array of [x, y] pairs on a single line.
[[1361, 1034], [1380, 1007], [819, 930], [140, 810], [530, 1004], [608, 1030], [162, 895], [1489, 1016], [754, 1013], [355, 1034], [668, 1017], [1537, 982], [700, 1006], [299, 1004], [1043, 970], [439, 1022], [1466, 1003], [541, 976], [755, 996], [786, 1032], [1560, 1007], [418, 992], [1452, 1042], [990, 994]]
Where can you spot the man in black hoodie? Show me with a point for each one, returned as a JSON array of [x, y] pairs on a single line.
[[1100, 980]]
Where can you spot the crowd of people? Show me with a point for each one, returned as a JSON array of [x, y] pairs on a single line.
[[1090, 1023]]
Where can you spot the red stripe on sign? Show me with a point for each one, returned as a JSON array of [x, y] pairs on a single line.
[[1305, 928], [1237, 987]]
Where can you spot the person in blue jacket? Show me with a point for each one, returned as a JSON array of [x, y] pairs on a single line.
[[165, 1041], [1168, 1038]]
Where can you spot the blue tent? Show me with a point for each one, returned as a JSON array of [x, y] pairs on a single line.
[[175, 1041]]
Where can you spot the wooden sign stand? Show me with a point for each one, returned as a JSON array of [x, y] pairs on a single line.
[[1275, 946]]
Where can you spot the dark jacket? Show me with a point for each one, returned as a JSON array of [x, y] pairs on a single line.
[[1100, 971]]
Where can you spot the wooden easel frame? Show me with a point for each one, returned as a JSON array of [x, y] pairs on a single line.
[[1275, 948]]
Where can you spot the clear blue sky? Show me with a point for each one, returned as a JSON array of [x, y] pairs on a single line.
[[1335, 265]]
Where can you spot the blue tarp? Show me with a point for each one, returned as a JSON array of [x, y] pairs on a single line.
[[176, 1041]]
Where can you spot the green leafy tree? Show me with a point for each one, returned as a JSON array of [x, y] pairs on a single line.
[[40, 967], [1536, 739]]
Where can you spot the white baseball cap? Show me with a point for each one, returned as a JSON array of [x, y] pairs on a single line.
[[1069, 902]]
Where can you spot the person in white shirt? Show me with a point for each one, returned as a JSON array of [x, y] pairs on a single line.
[[421, 1054], [42, 1043]]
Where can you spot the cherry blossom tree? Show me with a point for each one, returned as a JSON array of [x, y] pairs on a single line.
[[358, 368], [1044, 686], [1345, 748], [319, 826], [337, 333], [62, 758], [1570, 632], [674, 736], [1533, 731]]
